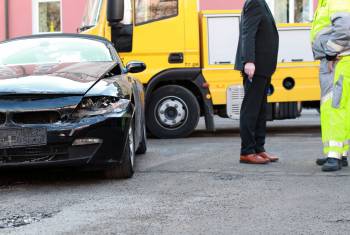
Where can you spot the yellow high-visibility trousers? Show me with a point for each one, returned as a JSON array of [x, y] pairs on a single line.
[[335, 113]]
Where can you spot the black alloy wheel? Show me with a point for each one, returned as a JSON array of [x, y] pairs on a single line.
[[172, 112]]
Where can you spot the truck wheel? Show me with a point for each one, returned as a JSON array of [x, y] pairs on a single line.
[[126, 169], [172, 112]]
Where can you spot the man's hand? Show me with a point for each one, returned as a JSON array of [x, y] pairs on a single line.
[[332, 63], [249, 69]]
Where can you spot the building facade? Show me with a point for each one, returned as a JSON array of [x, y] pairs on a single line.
[[26, 17]]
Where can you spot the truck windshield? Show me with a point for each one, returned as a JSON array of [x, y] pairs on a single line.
[[91, 13]]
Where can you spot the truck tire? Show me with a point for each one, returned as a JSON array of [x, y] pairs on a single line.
[[172, 112], [126, 169], [286, 110]]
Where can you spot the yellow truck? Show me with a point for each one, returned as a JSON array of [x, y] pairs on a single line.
[[190, 55]]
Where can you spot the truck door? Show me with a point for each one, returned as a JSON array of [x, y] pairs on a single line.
[[220, 35], [158, 36]]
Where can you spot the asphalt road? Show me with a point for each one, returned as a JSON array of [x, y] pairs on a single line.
[[190, 186]]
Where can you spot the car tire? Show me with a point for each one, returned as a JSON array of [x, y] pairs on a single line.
[[172, 112], [142, 149], [126, 169]]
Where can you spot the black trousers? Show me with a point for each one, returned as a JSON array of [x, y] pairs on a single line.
[[253, 114]]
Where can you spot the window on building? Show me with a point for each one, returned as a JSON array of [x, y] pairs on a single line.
[[91, 12], [282, 11], [303, 11], [47, 16], [292, 11], [151, 10]]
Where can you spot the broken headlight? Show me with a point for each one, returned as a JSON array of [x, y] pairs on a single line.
[[93, 106]]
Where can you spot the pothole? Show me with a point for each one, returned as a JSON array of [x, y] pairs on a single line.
[[22, 220]]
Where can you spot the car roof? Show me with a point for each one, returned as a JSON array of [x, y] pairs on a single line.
[[58, 35]]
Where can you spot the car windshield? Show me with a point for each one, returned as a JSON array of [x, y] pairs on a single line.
[[53, 50], [91, 13]]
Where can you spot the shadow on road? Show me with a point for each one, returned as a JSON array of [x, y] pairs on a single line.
[[271, 131], [78, 177]]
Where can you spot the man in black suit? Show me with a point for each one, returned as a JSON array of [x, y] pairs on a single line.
[[257, 60]]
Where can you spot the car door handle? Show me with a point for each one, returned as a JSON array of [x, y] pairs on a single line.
[[176, 58]]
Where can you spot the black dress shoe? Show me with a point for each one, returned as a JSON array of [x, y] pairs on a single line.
[[323, 160], [344, 161], [332, 164]]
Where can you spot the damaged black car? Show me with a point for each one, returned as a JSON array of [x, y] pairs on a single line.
[[68, 101]]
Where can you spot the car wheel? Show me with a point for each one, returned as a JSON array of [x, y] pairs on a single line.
[[126, 169], [172, 112], [142, 149]]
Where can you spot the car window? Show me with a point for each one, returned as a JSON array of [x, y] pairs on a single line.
[[53, 50], [152, 10]]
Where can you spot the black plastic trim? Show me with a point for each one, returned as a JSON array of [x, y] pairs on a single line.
[[176, 58]]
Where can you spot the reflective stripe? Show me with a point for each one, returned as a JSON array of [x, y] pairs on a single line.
[[345, 53], [346, 154], [334, 46], [333, 154], [337, 144], [326, 97]]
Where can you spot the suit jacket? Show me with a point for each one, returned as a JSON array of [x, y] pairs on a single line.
[[258, 40]]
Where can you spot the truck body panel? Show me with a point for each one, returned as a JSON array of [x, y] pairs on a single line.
[[220, 32]]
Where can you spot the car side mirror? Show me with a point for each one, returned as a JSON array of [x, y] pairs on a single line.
[[115, 11], [135, 67]]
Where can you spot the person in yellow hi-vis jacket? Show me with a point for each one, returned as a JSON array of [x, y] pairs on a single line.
[[331, 45]]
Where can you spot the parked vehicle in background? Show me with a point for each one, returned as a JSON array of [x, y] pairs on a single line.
[[67, 100], [190, 57]]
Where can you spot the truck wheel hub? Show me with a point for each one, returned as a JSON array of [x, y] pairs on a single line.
[[171, 112]]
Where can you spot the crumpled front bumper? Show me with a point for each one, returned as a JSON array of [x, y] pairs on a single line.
[[95, 142]]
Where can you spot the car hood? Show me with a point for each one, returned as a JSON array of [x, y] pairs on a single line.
[[65, 78]]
